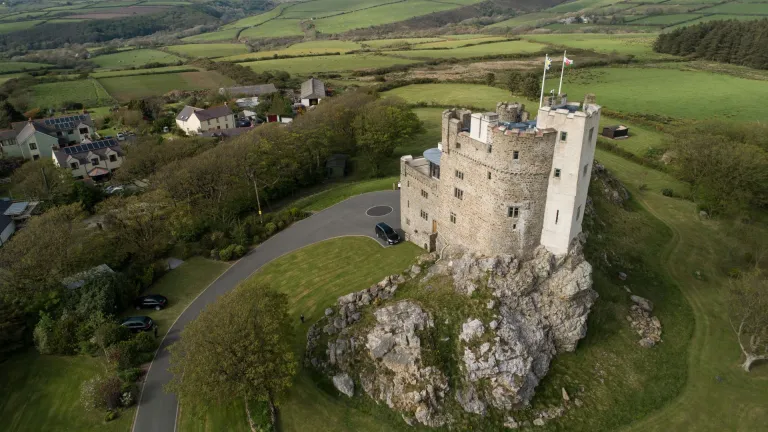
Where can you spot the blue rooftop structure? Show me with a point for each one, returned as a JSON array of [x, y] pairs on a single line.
[[433, 155], [519, 125]]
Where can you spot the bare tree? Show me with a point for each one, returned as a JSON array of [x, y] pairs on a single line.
[[748, 304]]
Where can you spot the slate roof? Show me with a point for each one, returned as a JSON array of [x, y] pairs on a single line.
[[7, 134], [80, 152], [50, 125], [213, 112], [252, 90], [186, 113], [312, 88]]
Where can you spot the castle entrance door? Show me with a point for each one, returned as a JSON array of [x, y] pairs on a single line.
[[434, 226]]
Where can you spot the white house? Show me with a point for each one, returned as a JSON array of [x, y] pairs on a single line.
[[35, 139], [7, 224], [90, 160], [312, 92], [194, 121]]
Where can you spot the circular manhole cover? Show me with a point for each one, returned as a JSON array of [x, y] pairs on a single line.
[[379, 211]]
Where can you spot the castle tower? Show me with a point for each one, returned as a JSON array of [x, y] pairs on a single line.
[[574, 153]]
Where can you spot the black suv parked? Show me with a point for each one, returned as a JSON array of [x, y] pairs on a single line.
[[153, 301], [385, 232]]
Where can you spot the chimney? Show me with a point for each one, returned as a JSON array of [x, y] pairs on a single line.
[[29, 120]]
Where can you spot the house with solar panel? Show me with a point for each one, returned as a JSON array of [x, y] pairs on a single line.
[[195, 121], [35, 139], [90, 160]]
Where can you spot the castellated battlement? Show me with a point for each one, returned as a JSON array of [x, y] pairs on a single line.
[[497, 178]]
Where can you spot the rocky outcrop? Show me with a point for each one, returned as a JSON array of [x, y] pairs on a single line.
[[609, 185], [647, 326], [537, 308]]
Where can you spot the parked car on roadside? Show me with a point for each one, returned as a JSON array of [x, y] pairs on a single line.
[[152, 301], [138, 323], [386, 233], [120, 136]]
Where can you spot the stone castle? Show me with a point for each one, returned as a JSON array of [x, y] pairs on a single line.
[[499, 183]]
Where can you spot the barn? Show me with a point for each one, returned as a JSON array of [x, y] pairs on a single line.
[[615, 132]]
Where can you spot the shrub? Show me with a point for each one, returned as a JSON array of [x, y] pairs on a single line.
[[111, 415], [145, 342], [226, 253], [270, 228], [42, 334], [667, 192], [111, 333], [56, 337], [214, 254], [239, 251], [129, 375], [101, 393], [122, 355]]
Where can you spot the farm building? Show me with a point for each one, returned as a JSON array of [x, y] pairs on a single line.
[[336, 166], [617, 131], [312, 92]]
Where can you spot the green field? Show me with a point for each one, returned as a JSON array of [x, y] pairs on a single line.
[[715, 18], [578, 5], [666, 19], [497, 48], [9, 67], [8, 27], [313, 277], [299, 49], [526, 19], [380, 15], [274, 28], [383, 43], [129, 72], [257, 19], [209, 50], [213, 36], [676, 93], [134, 58], [459, 95], [738, 8], [89, 92], [456, 43], [139, 86], [42, 393], [640, 46], [309, 65]]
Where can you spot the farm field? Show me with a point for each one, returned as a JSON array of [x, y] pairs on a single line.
[[676, 93], [739, 8], [640, 46], [257, 19], [666, 19], [380, 15], [131, 87], [302, 48], [457, 43], [716, 17], [209, 50], [219, 35], [382, 43], [526, 19], [89, 92], [134, 58], [8, 67], [459, 95], [309, 65], [274, 28], [129, 72], [510, 47], [8, 27]]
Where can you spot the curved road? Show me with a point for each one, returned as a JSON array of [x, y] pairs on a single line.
[[157, 409]]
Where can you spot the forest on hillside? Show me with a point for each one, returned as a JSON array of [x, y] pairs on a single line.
[[738, 42]]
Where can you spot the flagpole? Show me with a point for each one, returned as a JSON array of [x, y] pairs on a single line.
[[562, 71], [543, 79]]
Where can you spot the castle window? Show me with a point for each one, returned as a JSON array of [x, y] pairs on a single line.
[[453, 217], [408, 183], [513, 212], [490, 148], [557, 216], [424, 215], [515, 155], [458, 193], [591, 133], [459, 175], [408, 203], [563, 136], [557, 172], [458, 144], [407, 221], [578, 213], [514, 226], [586, 167], [434, 170], [489, 175], [424, 193]]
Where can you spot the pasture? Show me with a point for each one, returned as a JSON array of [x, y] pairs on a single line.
[[384, 14], [303, 48], [129, 72], [460, 42], [459, 95], [638, 45], [209, 50], [9, 67], [126, 88], [257, 19], [526, 19], [219, 35], [739, 8], [666, 19], [134, 58], [89, 92], [383, 43], [498, 48], [274, 28], [310, 65], [676, 93], [8, 27]]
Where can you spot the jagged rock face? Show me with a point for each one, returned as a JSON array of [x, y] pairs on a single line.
[[540, 308]]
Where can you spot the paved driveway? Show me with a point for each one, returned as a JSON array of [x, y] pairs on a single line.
[[157, 410]]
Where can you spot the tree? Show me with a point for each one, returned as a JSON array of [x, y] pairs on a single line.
[[41, 179], [380, 127], [275, 103], [748, 304], [515, 82], [490, 79], [12, 328], [239, 347]]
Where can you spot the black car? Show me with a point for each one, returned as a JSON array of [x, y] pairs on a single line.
[[153, 301], [138, 323], [385, 232]]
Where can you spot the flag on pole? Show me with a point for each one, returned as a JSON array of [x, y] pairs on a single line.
[[547, 63], [567, 61]]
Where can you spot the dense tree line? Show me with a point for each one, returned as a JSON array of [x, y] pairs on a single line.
[[738, 42], [246, 76], [56, 35]]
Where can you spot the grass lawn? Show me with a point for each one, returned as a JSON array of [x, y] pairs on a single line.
[[139, 86], [88, 91], [274, 28], [42, 393], [7, 67], [638, 45], [310, 65], [8, 27], [382, 43], [209, 50], [641, 138], [676, 93], [133, 58], [129, 72], [460, 42], [303, 48], [181, 286], [314, 277], [219, 35], [459, 95], [380, 15], [336, 193], [509, 47]]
